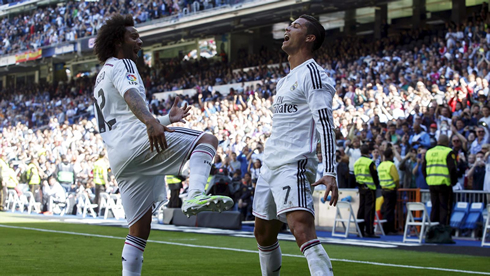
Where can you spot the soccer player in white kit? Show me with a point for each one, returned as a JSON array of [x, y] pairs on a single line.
[[302, 115], [140, 147]]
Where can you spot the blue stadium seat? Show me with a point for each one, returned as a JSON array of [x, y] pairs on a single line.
[[428, 207], [474, 217], [460, 211]]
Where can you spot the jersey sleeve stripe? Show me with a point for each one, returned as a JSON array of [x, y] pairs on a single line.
[[131, 65], [324, 136], [331, 143], [128, 65], [328, 140], [313, 78], [315, 68]]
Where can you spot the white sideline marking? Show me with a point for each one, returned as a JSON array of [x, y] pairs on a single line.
[[245, 250]]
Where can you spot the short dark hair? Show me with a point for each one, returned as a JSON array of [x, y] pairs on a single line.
[[314, 28], [111, 34], [388, 153], [365, 149]]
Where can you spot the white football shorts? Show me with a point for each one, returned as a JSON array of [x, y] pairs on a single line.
[[284, 189], [142, 181]]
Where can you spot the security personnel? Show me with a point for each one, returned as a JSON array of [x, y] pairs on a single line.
[[65, 173], [3, 186], [440, 171], [367, 181], [10, 180], [174, 185], [389, 182], [100, 178], [34, 179]]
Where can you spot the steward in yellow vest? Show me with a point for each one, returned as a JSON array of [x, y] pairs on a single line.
[[100, 178], [34, 179], [389, 182], [367, 181], [174, 183], [3, 185], [440, 171]]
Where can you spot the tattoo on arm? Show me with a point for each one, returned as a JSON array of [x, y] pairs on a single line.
[[138, 106]]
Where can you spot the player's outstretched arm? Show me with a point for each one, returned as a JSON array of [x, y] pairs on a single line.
[[331, 183], [156, 131]]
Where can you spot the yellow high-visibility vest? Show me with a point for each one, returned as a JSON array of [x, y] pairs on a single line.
[[362, 172], [10, 178], [170, 179], [99, 171], [436, 166], [34, 174], [385, 178]]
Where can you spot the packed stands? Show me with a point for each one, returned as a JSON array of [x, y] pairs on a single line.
[[68, 21], [401, 91]]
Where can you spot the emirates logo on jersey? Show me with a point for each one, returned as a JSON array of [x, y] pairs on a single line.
[[281, 107]]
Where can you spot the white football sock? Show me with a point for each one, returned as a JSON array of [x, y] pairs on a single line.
[[270, 259], [132, 256], [318, 260], [200, 165]]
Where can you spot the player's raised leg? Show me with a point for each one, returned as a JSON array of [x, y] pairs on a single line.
[[200, 163], [302, 225], [270, 254]]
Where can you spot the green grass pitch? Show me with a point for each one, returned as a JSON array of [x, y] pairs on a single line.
[[30, 252]]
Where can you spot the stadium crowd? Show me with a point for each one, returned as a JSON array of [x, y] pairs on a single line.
[[68, 21], [401, 91]]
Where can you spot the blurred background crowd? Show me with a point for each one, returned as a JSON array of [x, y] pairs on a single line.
[[399, 92], [68, 21]]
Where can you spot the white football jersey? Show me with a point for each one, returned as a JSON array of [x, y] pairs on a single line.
[[302, 114], [123, 133]]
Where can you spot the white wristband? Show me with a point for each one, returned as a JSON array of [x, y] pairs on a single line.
[[164, 120]]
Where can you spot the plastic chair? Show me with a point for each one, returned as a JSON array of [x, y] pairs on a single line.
[[85, 205], [110, 206], [117, 209], [475, 216], [351, 219], [15, 201], [32, 204], [428, 207], [486, 228], [12, 198], [104, 197], [424, 224], [58, 205], [377, 224], [460, 211]]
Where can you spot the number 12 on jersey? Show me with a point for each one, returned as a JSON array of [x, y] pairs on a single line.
[[100, 116]]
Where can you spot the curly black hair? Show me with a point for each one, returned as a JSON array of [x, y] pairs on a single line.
[[111, 34]]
